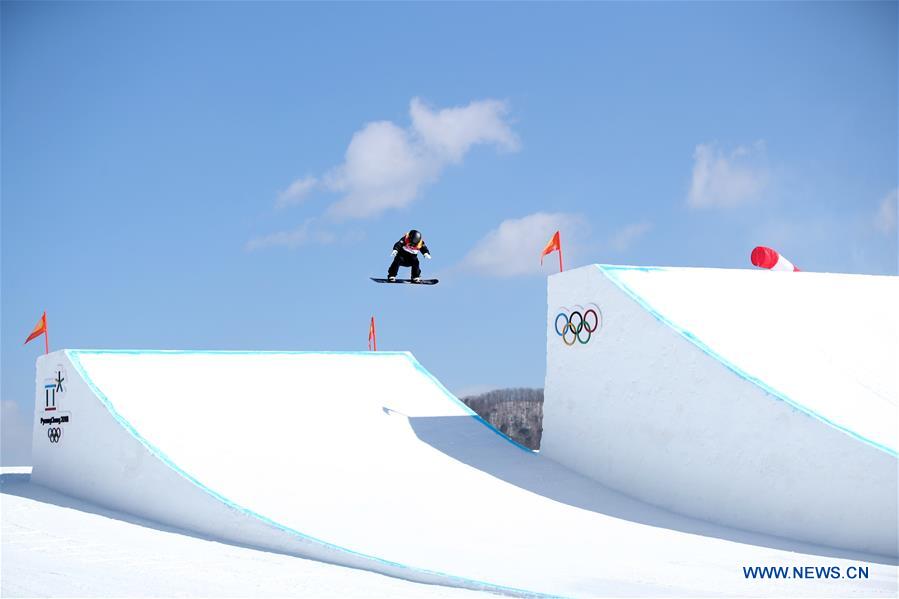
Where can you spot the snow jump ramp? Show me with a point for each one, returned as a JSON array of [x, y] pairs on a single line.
[[765, 401], [365, 460]]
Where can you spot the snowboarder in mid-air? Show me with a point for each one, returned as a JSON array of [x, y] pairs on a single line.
[[405, 253]]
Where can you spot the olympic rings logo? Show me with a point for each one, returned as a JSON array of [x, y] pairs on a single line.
[[54, 433], [578, 325]]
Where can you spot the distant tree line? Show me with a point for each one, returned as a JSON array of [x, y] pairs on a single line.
[[517, 413]]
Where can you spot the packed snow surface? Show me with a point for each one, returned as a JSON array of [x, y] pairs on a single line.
[[57, 546], [364, 459], [829, 342], [765, 401]]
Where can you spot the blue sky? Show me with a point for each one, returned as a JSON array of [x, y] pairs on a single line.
[[228, 175]]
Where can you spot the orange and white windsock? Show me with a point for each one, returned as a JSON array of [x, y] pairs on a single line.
[[765, 257]]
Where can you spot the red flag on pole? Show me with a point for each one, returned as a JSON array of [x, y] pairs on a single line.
[[41, 329], [372, 336], [554, 245]]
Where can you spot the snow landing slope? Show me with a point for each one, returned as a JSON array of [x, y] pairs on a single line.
[[365, 460], [53, 545], [761, 400]]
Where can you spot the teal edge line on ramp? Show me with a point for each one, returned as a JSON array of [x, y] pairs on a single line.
[[611, 273], [415, 363], [73, 356], [474, 414]]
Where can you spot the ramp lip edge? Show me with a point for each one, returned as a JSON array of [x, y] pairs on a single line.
[[609, 272], [158, 453], [237, 352], [408, 355], [418, 366]]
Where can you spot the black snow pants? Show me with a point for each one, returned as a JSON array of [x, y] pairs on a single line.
[[403, 258]]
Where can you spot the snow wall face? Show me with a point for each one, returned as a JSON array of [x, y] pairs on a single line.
[[102, 417], [648, 407], [81, 447]]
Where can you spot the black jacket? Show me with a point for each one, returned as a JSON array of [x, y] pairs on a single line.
[[400, 246]]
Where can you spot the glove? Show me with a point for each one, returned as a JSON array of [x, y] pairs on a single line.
[[393, 254], [428, 256]]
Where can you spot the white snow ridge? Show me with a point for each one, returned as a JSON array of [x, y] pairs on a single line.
[[675, 458]]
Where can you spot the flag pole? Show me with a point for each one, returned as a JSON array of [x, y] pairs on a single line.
[[372, 335], [560, 254], [46, 335]]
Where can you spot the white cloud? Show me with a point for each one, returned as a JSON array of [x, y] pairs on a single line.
[[885, 221], [296, 192], [15, 447], [383, 169], [724, 180], [302, 235], [386, 166], [449, 133], [625, 238], [513, 248]]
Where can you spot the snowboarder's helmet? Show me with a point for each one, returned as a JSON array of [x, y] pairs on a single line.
[[414, 237]]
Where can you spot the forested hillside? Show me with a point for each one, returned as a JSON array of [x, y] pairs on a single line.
[[517, 412]]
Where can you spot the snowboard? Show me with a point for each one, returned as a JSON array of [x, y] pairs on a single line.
[[407, 281]]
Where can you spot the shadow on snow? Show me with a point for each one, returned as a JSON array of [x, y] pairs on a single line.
[[462, 438]]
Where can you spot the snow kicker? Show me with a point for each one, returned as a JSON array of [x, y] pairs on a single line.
[[765, 401], [316, 454]]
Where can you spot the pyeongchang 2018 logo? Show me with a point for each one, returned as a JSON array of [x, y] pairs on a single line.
[[53, 418]]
